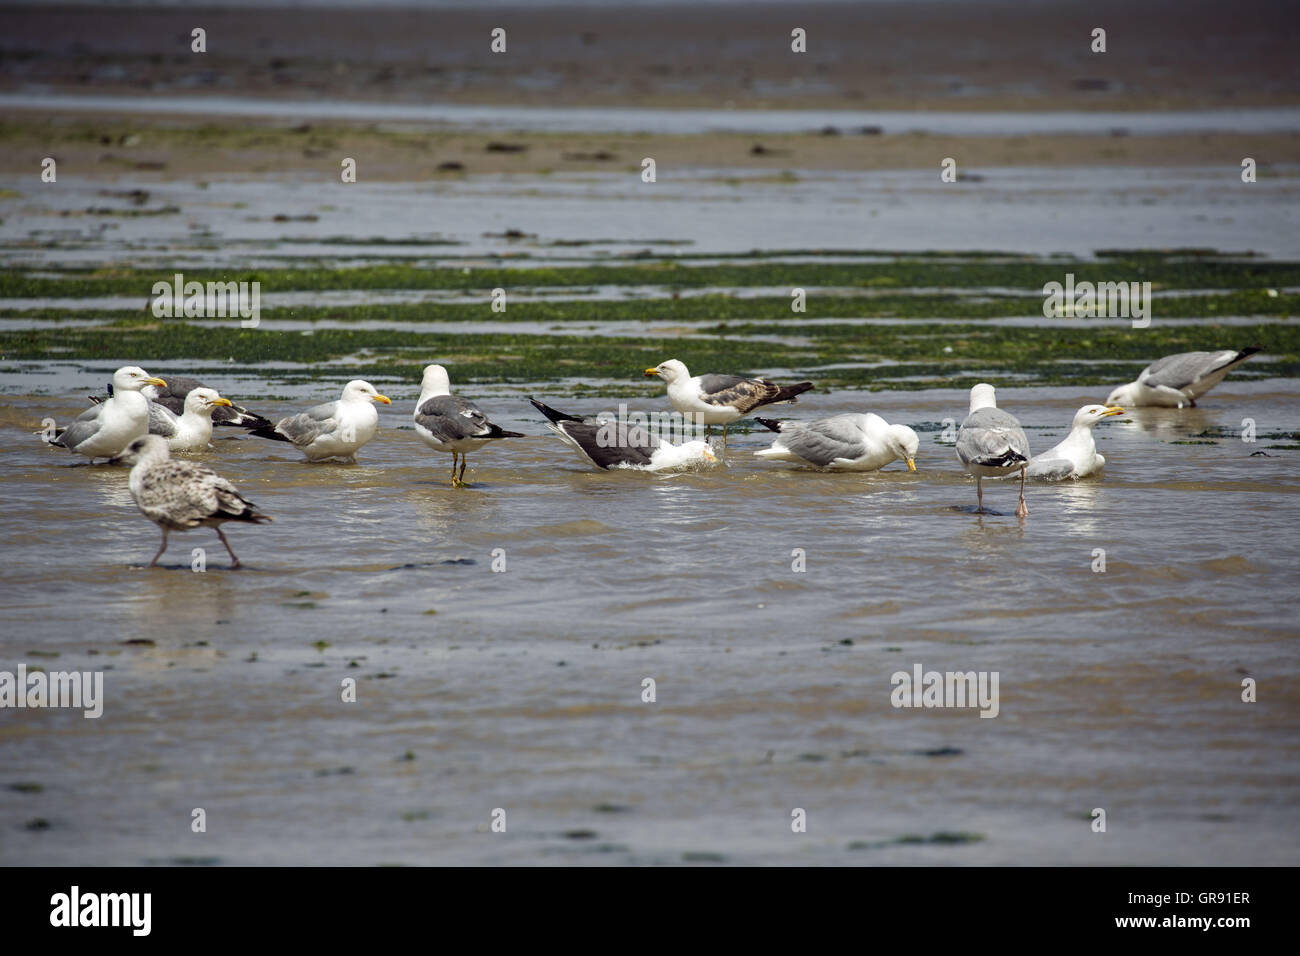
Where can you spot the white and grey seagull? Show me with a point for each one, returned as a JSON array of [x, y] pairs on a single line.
[[991, 443], [183, 495], [1076, 456], [105, 429], [449, 423], [720, 399], [842, 443], [1177, 381], [192, 430], [334, 429]]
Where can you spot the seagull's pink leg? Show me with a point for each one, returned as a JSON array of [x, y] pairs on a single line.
[[1022, 509]]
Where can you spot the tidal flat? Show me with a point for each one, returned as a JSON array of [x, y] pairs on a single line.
[[499, 635]]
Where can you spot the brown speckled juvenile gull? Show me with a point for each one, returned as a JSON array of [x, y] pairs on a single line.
[[182, 495]]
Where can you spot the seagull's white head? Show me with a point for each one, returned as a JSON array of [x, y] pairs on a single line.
[[983, 396], [1090, 415], [132, 378], [359, 391], [669, 371], [151, 449], [435, 381], [1124, 395], [904, 443], [203, 401]]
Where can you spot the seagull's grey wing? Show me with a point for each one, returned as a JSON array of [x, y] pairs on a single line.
[[306, 427], [161, 420], [990, 436], [824, 441], [90, 414], [449, 418], [84, 427], [609, 443], [1186, 368], [742, 394]]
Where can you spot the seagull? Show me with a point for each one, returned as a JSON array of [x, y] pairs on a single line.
[[182, 495], [447, 422], [1177, 381], [842, 442], [193, 430], [991, 443], [106, 429], [720, 399], [172, 397], [335, 429], [1076, 457], [609, 444]]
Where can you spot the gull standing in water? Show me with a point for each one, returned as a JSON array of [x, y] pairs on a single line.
[[991, 443], [183, 495], [1177, 381], [1076, 456], [842, 443], [449, 423], [104, 430], [335, 429], [720, 399]]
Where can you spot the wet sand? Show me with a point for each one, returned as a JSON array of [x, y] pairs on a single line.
[[927, 54]]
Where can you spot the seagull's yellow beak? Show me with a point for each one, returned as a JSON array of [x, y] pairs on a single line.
[[384, 398], [651, 372], [911, 465], [155, 381], [1113, 410], [221, 401], [709, 455]]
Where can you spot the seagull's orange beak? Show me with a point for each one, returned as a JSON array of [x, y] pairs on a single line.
[[651, 372], [221, 401], [155, 381], [1113, 410], [911, 464], [384, 398]]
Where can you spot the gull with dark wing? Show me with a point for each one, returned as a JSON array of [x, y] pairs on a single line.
[[1177, 381], [991, 443], [842, 443], [611, 444], [104, 430], [1076, 456], [720, 399], [449, 423], [335, 429], [183, 495]]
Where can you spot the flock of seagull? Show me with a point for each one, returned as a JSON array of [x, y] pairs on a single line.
[[144, 419]]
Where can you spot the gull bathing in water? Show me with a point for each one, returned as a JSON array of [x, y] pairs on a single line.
[[182, 495], [193, 430], [449, 423], [104, 430], [1076, 456], [335, 429], [1177, 381], [842, 443], [617, 445], [991, 443], [720, 399]]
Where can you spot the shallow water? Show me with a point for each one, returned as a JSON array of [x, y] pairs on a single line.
[[1119, 689], [681, 121]]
